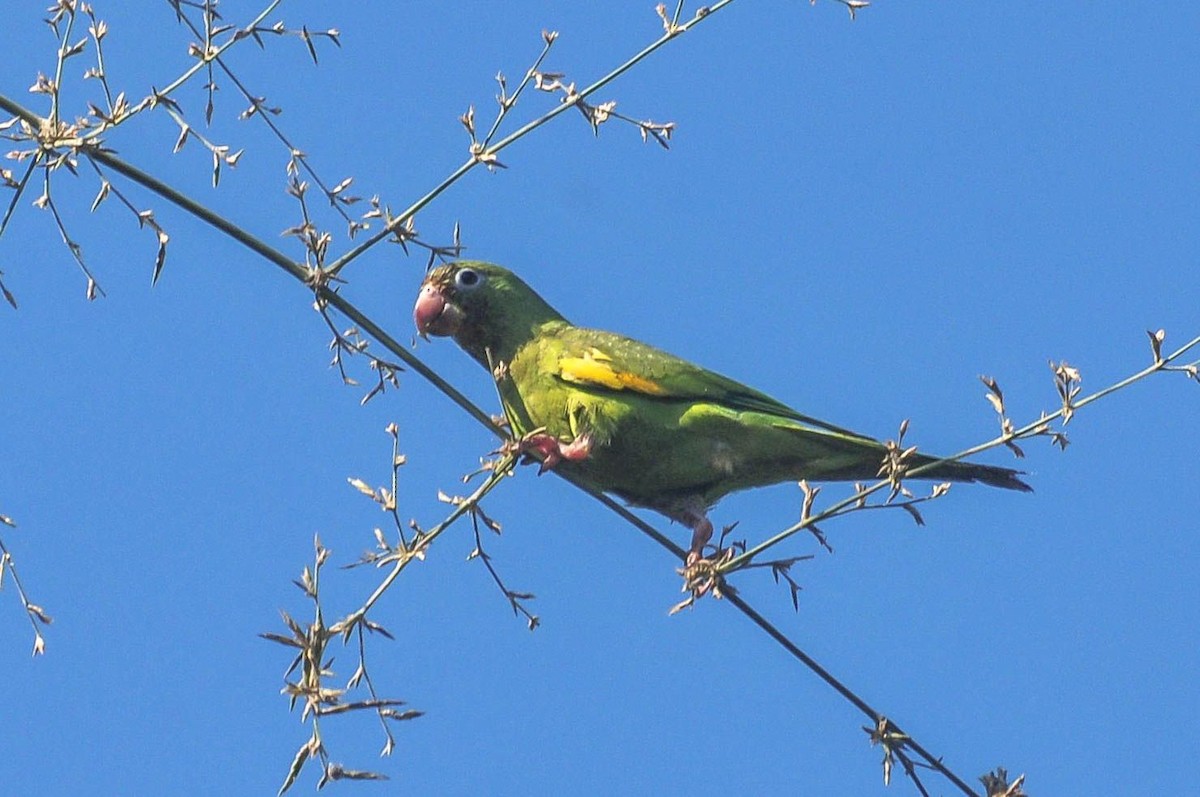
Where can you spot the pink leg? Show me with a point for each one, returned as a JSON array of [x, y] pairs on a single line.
[[702, 531]]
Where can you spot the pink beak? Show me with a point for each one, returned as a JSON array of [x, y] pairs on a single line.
[[434, 315]]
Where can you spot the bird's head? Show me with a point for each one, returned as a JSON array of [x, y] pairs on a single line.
[[484, 307]]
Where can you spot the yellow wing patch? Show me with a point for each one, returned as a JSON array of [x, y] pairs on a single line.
[[595, 368]]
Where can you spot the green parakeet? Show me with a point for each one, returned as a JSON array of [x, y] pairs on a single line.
[[635, 421]]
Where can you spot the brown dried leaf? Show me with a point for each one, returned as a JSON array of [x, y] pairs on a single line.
[[1156, 342], [362, 487]]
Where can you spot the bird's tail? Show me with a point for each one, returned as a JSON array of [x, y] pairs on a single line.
[[839, 455], [991, 475]]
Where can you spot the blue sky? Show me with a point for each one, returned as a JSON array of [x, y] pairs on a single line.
[[858, 218]]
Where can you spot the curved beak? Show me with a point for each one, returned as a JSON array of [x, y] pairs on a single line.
[[434, 314]]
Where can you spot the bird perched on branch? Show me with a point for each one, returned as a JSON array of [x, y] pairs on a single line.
[[635, 421]]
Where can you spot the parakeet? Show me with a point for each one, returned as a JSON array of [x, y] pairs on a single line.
[[635, 421]]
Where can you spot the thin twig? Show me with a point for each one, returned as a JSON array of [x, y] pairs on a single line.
[[489, 153], [256, 105], [507, 102], [34, 612], [862, 705], [1159, 365], [55, 103], [19, 191], [158, 95], [501, 470]]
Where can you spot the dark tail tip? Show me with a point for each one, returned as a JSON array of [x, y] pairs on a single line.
[[993, 476], [1011, 482]]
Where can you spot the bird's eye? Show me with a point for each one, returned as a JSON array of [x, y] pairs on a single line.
[[468, 279]]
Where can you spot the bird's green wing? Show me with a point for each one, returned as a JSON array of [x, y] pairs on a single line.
[[597, 359]]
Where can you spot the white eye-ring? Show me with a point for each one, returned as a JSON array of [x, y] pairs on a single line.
[[468, 279]]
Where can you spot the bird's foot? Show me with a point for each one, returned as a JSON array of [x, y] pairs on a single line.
[[705, 577], [702, 575], [553, 451]]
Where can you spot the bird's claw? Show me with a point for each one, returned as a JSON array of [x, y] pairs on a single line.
[[552, 451]]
